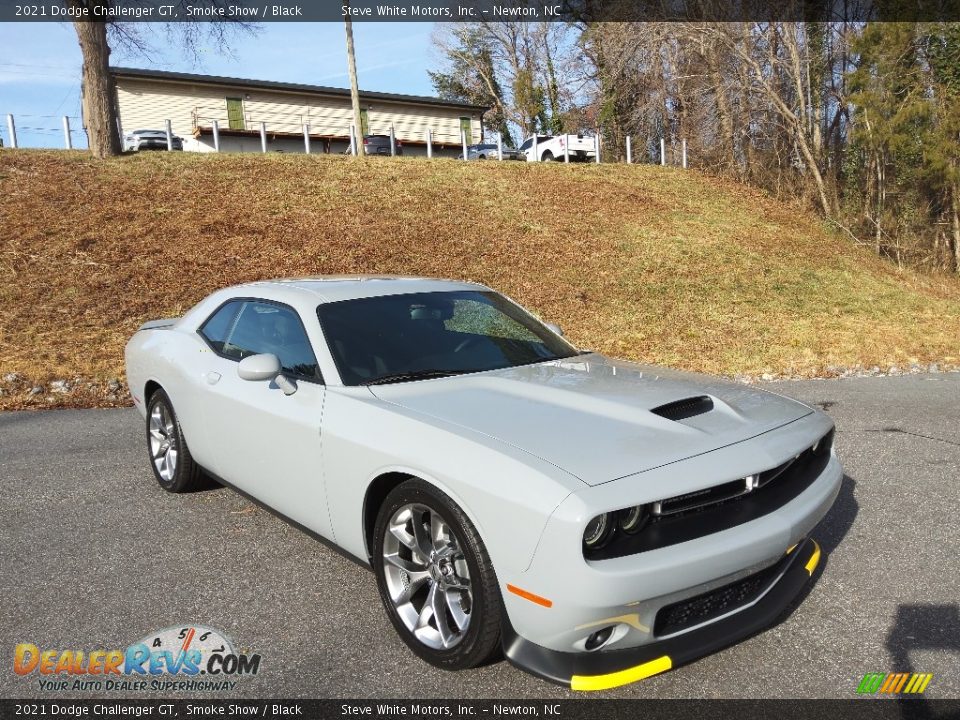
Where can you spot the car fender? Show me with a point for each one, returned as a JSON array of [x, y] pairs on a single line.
[[507, 493]]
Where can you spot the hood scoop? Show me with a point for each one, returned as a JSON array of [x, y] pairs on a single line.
[[686, 408]]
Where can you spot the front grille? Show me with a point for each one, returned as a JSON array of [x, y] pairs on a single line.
[[702, 499], [711, 605], [693, 515]]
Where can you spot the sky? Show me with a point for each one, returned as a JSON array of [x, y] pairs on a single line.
[[40, 66]]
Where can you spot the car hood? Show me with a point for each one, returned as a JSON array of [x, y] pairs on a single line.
[[593, 416]]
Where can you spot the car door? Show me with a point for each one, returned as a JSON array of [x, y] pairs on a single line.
[[266, 443]]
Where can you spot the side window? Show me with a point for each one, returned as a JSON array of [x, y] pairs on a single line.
[[262, 327], [218, 326], [526, 144]]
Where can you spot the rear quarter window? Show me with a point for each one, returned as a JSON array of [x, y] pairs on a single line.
[[217, 328]]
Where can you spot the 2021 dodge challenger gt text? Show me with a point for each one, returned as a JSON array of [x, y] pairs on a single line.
[[598, 520]]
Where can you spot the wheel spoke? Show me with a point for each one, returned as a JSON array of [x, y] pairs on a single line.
[[438, 532], [408, 566], [455, 605], [438, 604], [415, 581], [426, 612], [399, 531], [420, 533]]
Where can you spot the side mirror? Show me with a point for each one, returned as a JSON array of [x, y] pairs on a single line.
[[555, 328], [259, 367]]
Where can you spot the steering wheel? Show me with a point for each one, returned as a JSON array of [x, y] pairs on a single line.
[[463, 344]]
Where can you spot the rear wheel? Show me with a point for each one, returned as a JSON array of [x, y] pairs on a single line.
[[435, 578], [170, 458], [548, 156]]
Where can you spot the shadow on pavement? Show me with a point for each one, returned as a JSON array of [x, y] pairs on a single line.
[[921, 627]]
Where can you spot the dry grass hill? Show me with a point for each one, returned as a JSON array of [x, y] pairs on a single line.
[[646, 263]]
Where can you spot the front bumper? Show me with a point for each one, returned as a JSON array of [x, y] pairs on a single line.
[[602, 670]]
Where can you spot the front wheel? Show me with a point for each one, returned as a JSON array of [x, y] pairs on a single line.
[[435, 578], [170, 458]]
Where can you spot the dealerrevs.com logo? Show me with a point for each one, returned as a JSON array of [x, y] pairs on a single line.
[[176, 659]]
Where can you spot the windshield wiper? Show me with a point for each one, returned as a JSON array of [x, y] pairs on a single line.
[[413, 375]]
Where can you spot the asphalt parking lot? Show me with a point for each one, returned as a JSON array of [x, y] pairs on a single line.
[[95, 555]]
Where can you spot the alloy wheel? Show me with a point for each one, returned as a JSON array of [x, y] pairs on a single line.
[[163, 442], [427, 577]]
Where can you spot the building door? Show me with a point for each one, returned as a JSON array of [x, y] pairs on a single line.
[[235, 113], [364, 123], [466, 127]]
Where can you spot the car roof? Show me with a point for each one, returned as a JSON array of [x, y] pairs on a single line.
[[333, 288]]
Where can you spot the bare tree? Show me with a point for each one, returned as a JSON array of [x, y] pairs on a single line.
[[95, 38]]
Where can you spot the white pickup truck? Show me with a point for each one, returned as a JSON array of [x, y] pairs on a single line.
[[551, 147]]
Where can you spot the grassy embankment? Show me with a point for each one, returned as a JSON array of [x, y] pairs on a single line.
[[640, 262]]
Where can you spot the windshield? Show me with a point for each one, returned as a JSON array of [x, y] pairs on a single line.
[[396, 338]]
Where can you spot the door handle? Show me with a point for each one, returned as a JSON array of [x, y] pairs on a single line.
[[212, 377]]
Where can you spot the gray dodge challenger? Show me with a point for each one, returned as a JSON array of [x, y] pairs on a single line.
[[598, 521]]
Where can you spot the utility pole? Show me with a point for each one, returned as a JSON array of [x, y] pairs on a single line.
[[354, 90]]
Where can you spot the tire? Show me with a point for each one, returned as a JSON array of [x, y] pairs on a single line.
[[167, 450], [547, 157], [482, 157], [453, 569]]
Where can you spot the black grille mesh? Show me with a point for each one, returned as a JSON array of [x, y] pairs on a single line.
[[693, 611]]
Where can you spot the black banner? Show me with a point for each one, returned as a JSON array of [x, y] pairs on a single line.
[[580, 11], [858, 709]]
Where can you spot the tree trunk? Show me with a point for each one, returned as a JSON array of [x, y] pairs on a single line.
[[99, 109], [955, 224]]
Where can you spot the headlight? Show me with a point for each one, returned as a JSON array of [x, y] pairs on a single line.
[[633, 518], [597, 531]]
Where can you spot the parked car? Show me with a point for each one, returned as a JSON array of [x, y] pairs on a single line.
[[138, 140], [550, 147], [488, 150], [599, 520], [378, 145]]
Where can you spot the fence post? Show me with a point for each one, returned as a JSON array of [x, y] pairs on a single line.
[[684, 153], [596, 146], [566, 148], [499, 146], [629, 152], [12, 130], [119, 131], [66, 133], [533, 149], [263, 136], [169, 136], [216, 136], [663, 152], [463, 141], [393, 141], [353, 140], [306, 137], [429, 143]]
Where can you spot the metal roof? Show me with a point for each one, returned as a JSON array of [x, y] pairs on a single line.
[[138, 73]]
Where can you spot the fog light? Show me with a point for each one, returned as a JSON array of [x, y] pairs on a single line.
[[599, 638]]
